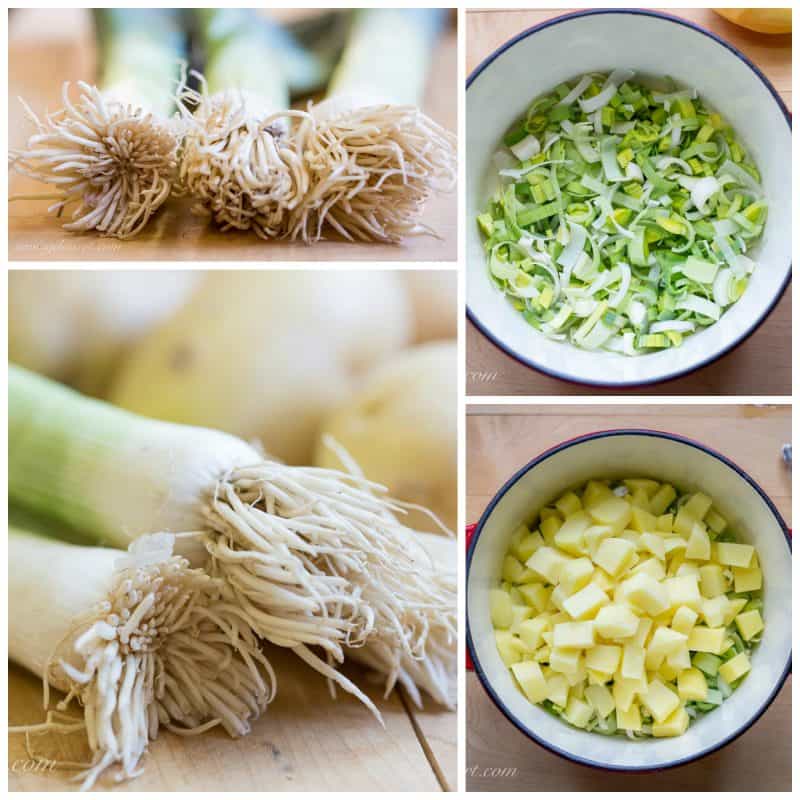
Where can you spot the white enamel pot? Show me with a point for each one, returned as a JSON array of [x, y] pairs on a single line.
[[654, 45], [690, 466]]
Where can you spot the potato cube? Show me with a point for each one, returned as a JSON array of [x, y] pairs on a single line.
[[595, 492], [573, 635], [603, 658], [530, 632], [660, 700], [642, 520], [666, 672], [633, 657], [519, 534], [688, 568], [662, 500], [665, 522], [648, 594], [683, 523], [510, 648], [683, 591], [650, 566], [675, 725], [716, 521], [600, 578], [646, 485], [576, 574], [614, 512], [547, 562], [600, 699], [674, 544], [568, 503], [749, 624], [566, 662], [698, 505], [684, 620], [707, 640], [640, 637], [570, 536], [536, 595], [746, 579], [699, 545], [557, 689], [624, 692], [734, 607], [653, 543], [680, 660], [639, 499], [653, 661], [629, 719], [615, 556], [549, 527], [715, 611], [528, 546], [557, 598], [692, 685], [735, 555], [616, 622], [666, 641], [531, 680], [596, 534], [734, 669], [578, 713], [518, 614], [712, 580], [513, 570], [500, 608], [585, 602]]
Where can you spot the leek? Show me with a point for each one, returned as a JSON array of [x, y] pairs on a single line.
[[372, 156], [613, 195], [314, 558], [141, 641], [112, 154]]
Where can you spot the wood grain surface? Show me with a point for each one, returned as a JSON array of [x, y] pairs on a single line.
[[500, 440], [761, 365], [305, 742], [48, 46]]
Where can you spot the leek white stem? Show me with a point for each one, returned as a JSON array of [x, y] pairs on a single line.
[[140, 641]]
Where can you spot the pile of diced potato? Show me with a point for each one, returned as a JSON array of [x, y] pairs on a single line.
[[610, 605]]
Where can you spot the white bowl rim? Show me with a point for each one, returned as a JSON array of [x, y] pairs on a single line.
[[529, 362], [472, 651]]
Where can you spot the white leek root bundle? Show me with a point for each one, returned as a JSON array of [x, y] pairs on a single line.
[[315, 558], [372, 156], [111, 153], [140, 640], [238, 160]]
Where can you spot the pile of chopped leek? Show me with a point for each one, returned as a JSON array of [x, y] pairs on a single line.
[[623, 215]]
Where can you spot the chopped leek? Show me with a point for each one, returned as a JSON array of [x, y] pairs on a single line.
[[615, 196]]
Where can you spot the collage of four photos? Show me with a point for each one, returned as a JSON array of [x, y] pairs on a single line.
[[399, 399]]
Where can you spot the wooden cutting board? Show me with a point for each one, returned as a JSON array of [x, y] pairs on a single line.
[[760, 366], [305, 742], [48, 46], [501, 440]]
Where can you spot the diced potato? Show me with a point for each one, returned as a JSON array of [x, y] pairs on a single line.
[[557, 689], [566, 662], [547, 562], [683, 591], [660, 700], [642, 520], [576, 635], [633, 657], [653, 543], [536, 595], [518, 614], [688, 568], [666, 672], [734, 669], [662, 500], [642, 633], [600, 578], [692, 685], [519, 534], [675, 725], [735, 605], [666, 641], [596, 678], [749, 624], [624, 691], [675, 562], [683, 523], [665, 521], [576, 574], [549, 527], [531, 680], [712, 580], [528, 546], [530, 632], [646, 485], [596, 534], [557, 598], [500, 608], [585, 602], [629, 719], [746, 579], [653, 661], [699, 545], [684, 620], [715, 610], [716, 521], [578, 713], [673, 544], [513, 570], [570, 536], [603, 658], [734, 555], [595, 492], [600, 699], [614, 512], [513, 592], [680, 660], [510, 648], [550, 511], [650, 566], [648, 594], [616, 622], [707, 640], [698, 505], [568, 503], [578, 678], [615, 556]]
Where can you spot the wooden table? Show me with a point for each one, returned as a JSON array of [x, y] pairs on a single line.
[[762, 364], [500, 440], [47, 46], [305, 742]]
